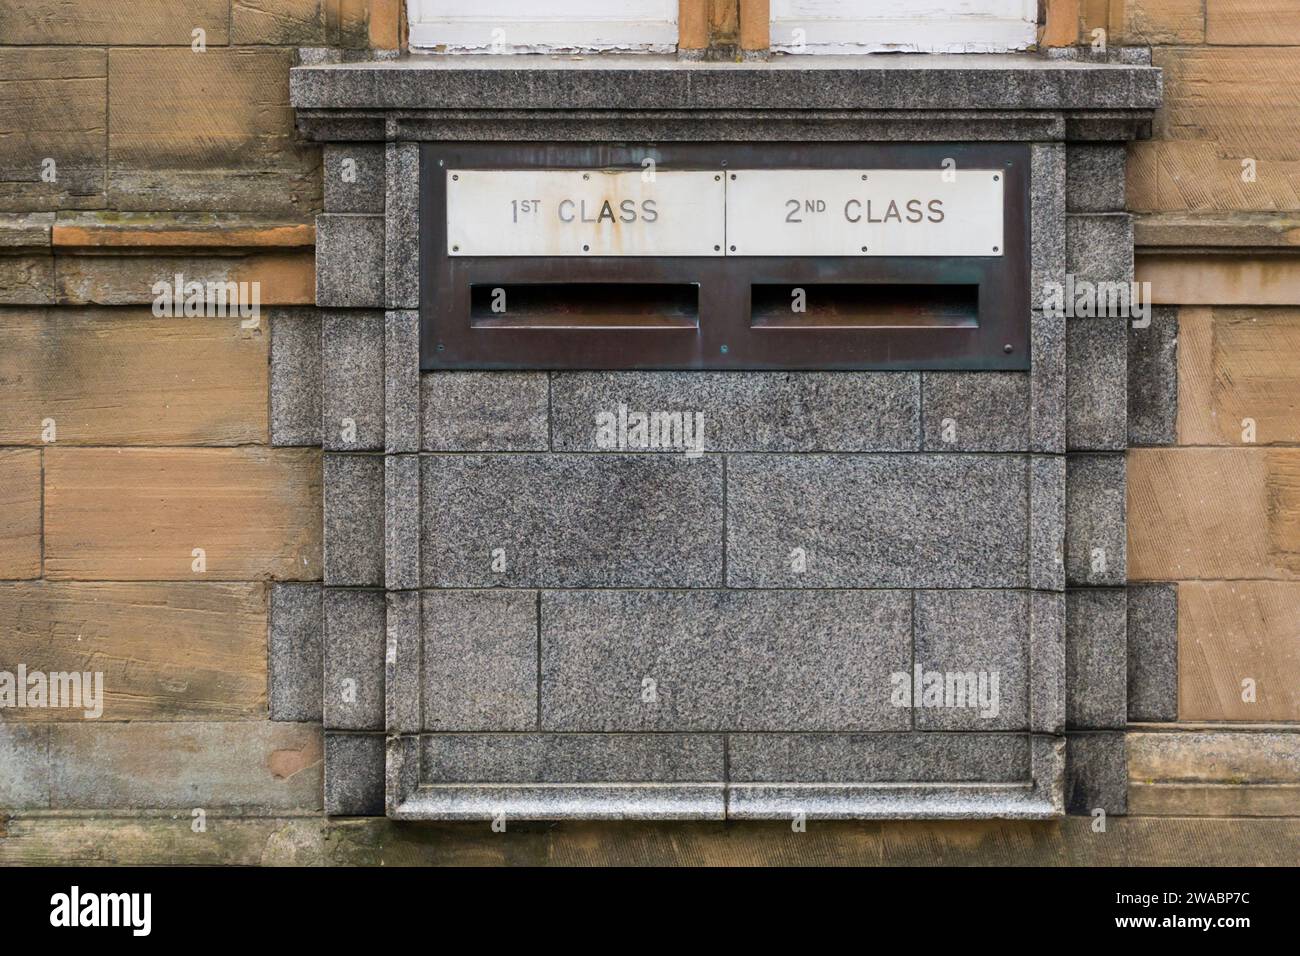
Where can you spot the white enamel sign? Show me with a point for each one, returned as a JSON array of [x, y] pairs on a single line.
[[759, 212], [864, 212], [560, 212]]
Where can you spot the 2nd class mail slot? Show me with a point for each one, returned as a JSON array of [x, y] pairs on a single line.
[[749, 212]]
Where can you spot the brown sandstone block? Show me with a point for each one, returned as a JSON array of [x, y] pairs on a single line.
[[1213, 514], [1234, 631], [20, 512], [202, 131], [135, 514], [112, 22], [123, 377], [140, 766], [53, 106], [167, 651]]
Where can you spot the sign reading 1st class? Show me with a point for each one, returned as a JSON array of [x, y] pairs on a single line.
[[754, 212]]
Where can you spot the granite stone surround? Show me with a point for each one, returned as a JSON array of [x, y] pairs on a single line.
[[516, 622]]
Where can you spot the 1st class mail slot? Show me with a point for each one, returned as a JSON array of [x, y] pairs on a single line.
[[755, 212], [560, 212]]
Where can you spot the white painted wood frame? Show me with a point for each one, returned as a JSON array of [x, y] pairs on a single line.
[[542, 26], [903, 26]]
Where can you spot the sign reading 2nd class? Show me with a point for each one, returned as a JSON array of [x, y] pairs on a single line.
[[754, 212]]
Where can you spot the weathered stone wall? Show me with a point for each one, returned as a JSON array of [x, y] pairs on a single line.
[[185, 401], [1213, 400], [938, 518], [138, 141]]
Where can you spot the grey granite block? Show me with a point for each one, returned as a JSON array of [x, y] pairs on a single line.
[[878, 758], [1047, 756], [571, 758], [975, 411], [888, 802], [1040, 797], [402, 224], [310, 56], [354, 775], [352, 347], [354, 520], [1099, 247], [1047, 662], [733, 125], [350, 261], [1047, 522], [1047, 217], [296, 661], [1096, 541], [743, 411], [877, 521], [972, 654], [1094, 177], [571, 521], [1153, 380], [708, 660], [1129, 55], [295, 377], [355, 644], [401, 522], [402, 662], [642, 83], [1153, 652], [1047, 383], [480, 660], [1097, 385], [353, 174], [1096, 641], [24, 766], [485, 411], [402, 381], [401, 771], [1096, 774], [646, 801]]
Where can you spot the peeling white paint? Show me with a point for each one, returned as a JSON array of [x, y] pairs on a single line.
[[650, 26], [903, 26], [552, 26]]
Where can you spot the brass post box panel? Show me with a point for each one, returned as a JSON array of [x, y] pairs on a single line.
[[749, 256]]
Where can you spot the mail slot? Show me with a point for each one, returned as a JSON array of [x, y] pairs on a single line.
[[861, 306], [749, 256], [585, 305]]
